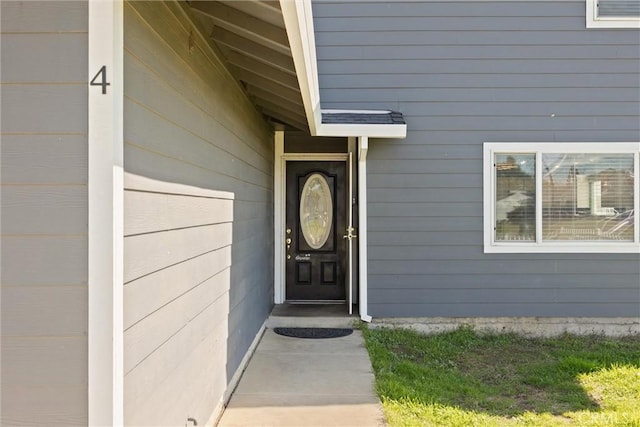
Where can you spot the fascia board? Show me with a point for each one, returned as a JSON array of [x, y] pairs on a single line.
[[368, 130], [299, 27]]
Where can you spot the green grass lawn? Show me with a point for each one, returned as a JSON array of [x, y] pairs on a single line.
[[463, 378]]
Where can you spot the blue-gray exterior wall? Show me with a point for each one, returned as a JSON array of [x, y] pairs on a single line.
[[464, 73], [198, 220], [44, 164]]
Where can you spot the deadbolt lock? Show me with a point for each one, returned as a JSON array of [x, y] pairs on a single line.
[[288, 231], [288, 240]]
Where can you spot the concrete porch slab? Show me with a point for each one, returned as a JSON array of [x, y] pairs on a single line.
[[306, 382]]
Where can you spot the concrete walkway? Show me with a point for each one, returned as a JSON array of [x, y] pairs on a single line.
[[306, 382]]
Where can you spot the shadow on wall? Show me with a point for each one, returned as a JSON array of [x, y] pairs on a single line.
[[251, 269]]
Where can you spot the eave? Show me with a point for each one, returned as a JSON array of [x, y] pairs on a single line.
[[269, 48], [298, 19], [250, 38]]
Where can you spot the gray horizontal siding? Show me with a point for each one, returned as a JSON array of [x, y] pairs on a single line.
[[509, 296], [394, 95], [198, 221], [43, 159], [44, 17], [479, 52], [579, 81], [53, 57], [463, 73], [27, 210], [482, 66], [427, 37], [44, 256], [54, 159], [22, 102], [462, 308], [497, 282], [455, 9]]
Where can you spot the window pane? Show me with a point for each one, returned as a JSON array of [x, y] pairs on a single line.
[[587, 197], [515, 197], [316, 211]]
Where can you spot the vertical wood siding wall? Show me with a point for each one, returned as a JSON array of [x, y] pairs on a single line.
[[44, 213], [198, 220], [464, 73]]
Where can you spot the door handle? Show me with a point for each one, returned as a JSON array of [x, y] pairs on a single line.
[[288, 242], [350, 234]]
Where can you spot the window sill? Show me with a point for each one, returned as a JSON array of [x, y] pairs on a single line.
[[564, 247]]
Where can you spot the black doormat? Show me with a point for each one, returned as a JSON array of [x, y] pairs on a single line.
[[313, 332]]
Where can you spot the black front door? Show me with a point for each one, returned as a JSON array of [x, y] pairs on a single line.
[[316, 223]]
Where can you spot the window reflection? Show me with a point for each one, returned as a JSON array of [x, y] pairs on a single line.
[[515, 197], [587, 197]]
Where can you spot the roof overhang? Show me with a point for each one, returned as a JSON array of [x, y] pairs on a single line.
[[268, 47], [370, 123], [250, 39], [298, 19]]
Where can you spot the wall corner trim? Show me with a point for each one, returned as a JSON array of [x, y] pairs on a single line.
[[105, 218]]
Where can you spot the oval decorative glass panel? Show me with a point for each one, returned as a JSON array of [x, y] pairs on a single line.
[[316, 211]]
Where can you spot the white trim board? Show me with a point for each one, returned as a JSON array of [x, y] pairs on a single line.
[[106, 234], [363, 148], [360, 130], [279, 187], [298, 20]]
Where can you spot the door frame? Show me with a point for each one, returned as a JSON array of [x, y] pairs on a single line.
[[279, 204]]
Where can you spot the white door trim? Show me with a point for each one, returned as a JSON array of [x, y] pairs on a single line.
[[278, 218], [363, 148], [279, 205], [105, 219], [350, 236]]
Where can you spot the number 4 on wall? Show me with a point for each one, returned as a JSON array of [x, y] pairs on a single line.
[[103, 83]]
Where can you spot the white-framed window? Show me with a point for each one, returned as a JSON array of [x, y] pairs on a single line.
[[561, 197], [613, 13]]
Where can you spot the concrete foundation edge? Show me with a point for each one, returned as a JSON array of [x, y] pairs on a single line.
[[527, 326], [224, 400]]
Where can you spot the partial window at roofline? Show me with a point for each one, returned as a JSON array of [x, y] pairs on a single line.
[[613, 13]]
